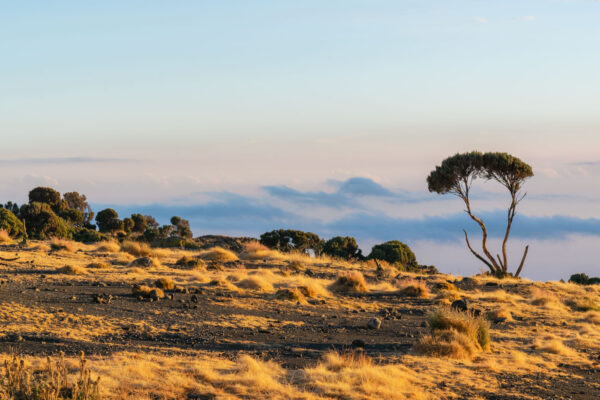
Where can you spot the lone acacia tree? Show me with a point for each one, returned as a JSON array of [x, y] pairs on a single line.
[[456, 175]]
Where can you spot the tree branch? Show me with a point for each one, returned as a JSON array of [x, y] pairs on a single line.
[[490, 266], [522, 261]]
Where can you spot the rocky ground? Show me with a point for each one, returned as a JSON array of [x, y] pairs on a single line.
[[543, 350]]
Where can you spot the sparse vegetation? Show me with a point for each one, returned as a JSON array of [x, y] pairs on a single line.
[[71, 270], [454, 334], [21, 382], [138, 249], [350, 282], [165, 283], [191, 263], [218, 254], [62, 245]]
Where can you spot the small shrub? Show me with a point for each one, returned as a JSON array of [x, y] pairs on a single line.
[[218, 254], [86, 235], [395, 253], [350, 282], [10, 224], [191, 263], [165, 284], [583, 279], [61, 245], [71, 270], [345, 248]]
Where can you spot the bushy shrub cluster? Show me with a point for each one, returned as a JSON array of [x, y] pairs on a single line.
[[583, 279], [395, 253], [10, 223], [287, 240]]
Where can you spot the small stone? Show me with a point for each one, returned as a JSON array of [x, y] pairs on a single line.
[[374, 323], [460, 305], [358, 344]]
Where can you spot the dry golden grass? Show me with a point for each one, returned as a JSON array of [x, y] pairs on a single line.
[[191, 263], [137, 249], [72, 270], [293, 294], [413, 288], [585, 303], [350, 282], [145, 262], [4, 236], [553, 345], [256, 251], [218, 254], [98, 265], [454, 334], [107, 247], [62, 245], [165, 283], [147, 292], [255, 283], [500, 313]]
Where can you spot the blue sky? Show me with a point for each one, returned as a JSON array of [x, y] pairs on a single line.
[[269, 113]]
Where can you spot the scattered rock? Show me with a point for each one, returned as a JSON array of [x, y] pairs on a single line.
[[103, 298], [374, 323], [142, 262], [499, 320], [492, 284], [460, 305], [358, 344], [156, 294]]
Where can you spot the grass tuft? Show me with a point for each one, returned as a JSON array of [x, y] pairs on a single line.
[[218, 254], [72, 270], [62, 245], [350, 282]]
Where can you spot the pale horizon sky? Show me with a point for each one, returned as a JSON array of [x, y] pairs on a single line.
[[252, 115]]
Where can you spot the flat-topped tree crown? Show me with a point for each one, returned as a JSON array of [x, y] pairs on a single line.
[[509, 170], [456, 173]]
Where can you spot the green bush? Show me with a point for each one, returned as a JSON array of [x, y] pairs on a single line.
[[291, 240], [342, 247], [10, 223], [46, 195], [43, 223], [108, 221], [75, 217], [89, 236], [583, 279], [395, 253]]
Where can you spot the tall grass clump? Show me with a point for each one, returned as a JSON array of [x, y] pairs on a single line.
[[61, 245], [4, 236], [138, 249], [454, 334], [349, 282], [22, 382], [218, 254]]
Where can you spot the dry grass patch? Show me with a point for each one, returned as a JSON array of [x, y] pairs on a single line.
[[498, 314], [350, 282], [72, 270], [413, 288], [4, 236], [553, 345], [585, 303], [107, 247], [98, 265], [293, 294], [188, 262], [256, 251], [218, 254], [137, 249], [62, 245], [255, 283], [454, 334], [593, 317], [165, 283], [147, 292], [145, 262]]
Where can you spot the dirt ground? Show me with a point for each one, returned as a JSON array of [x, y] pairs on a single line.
[[544, 345]]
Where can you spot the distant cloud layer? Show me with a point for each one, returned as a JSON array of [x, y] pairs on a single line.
[[230, 213], [62, 160]]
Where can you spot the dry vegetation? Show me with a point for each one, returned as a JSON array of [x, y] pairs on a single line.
[[519, 339]]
